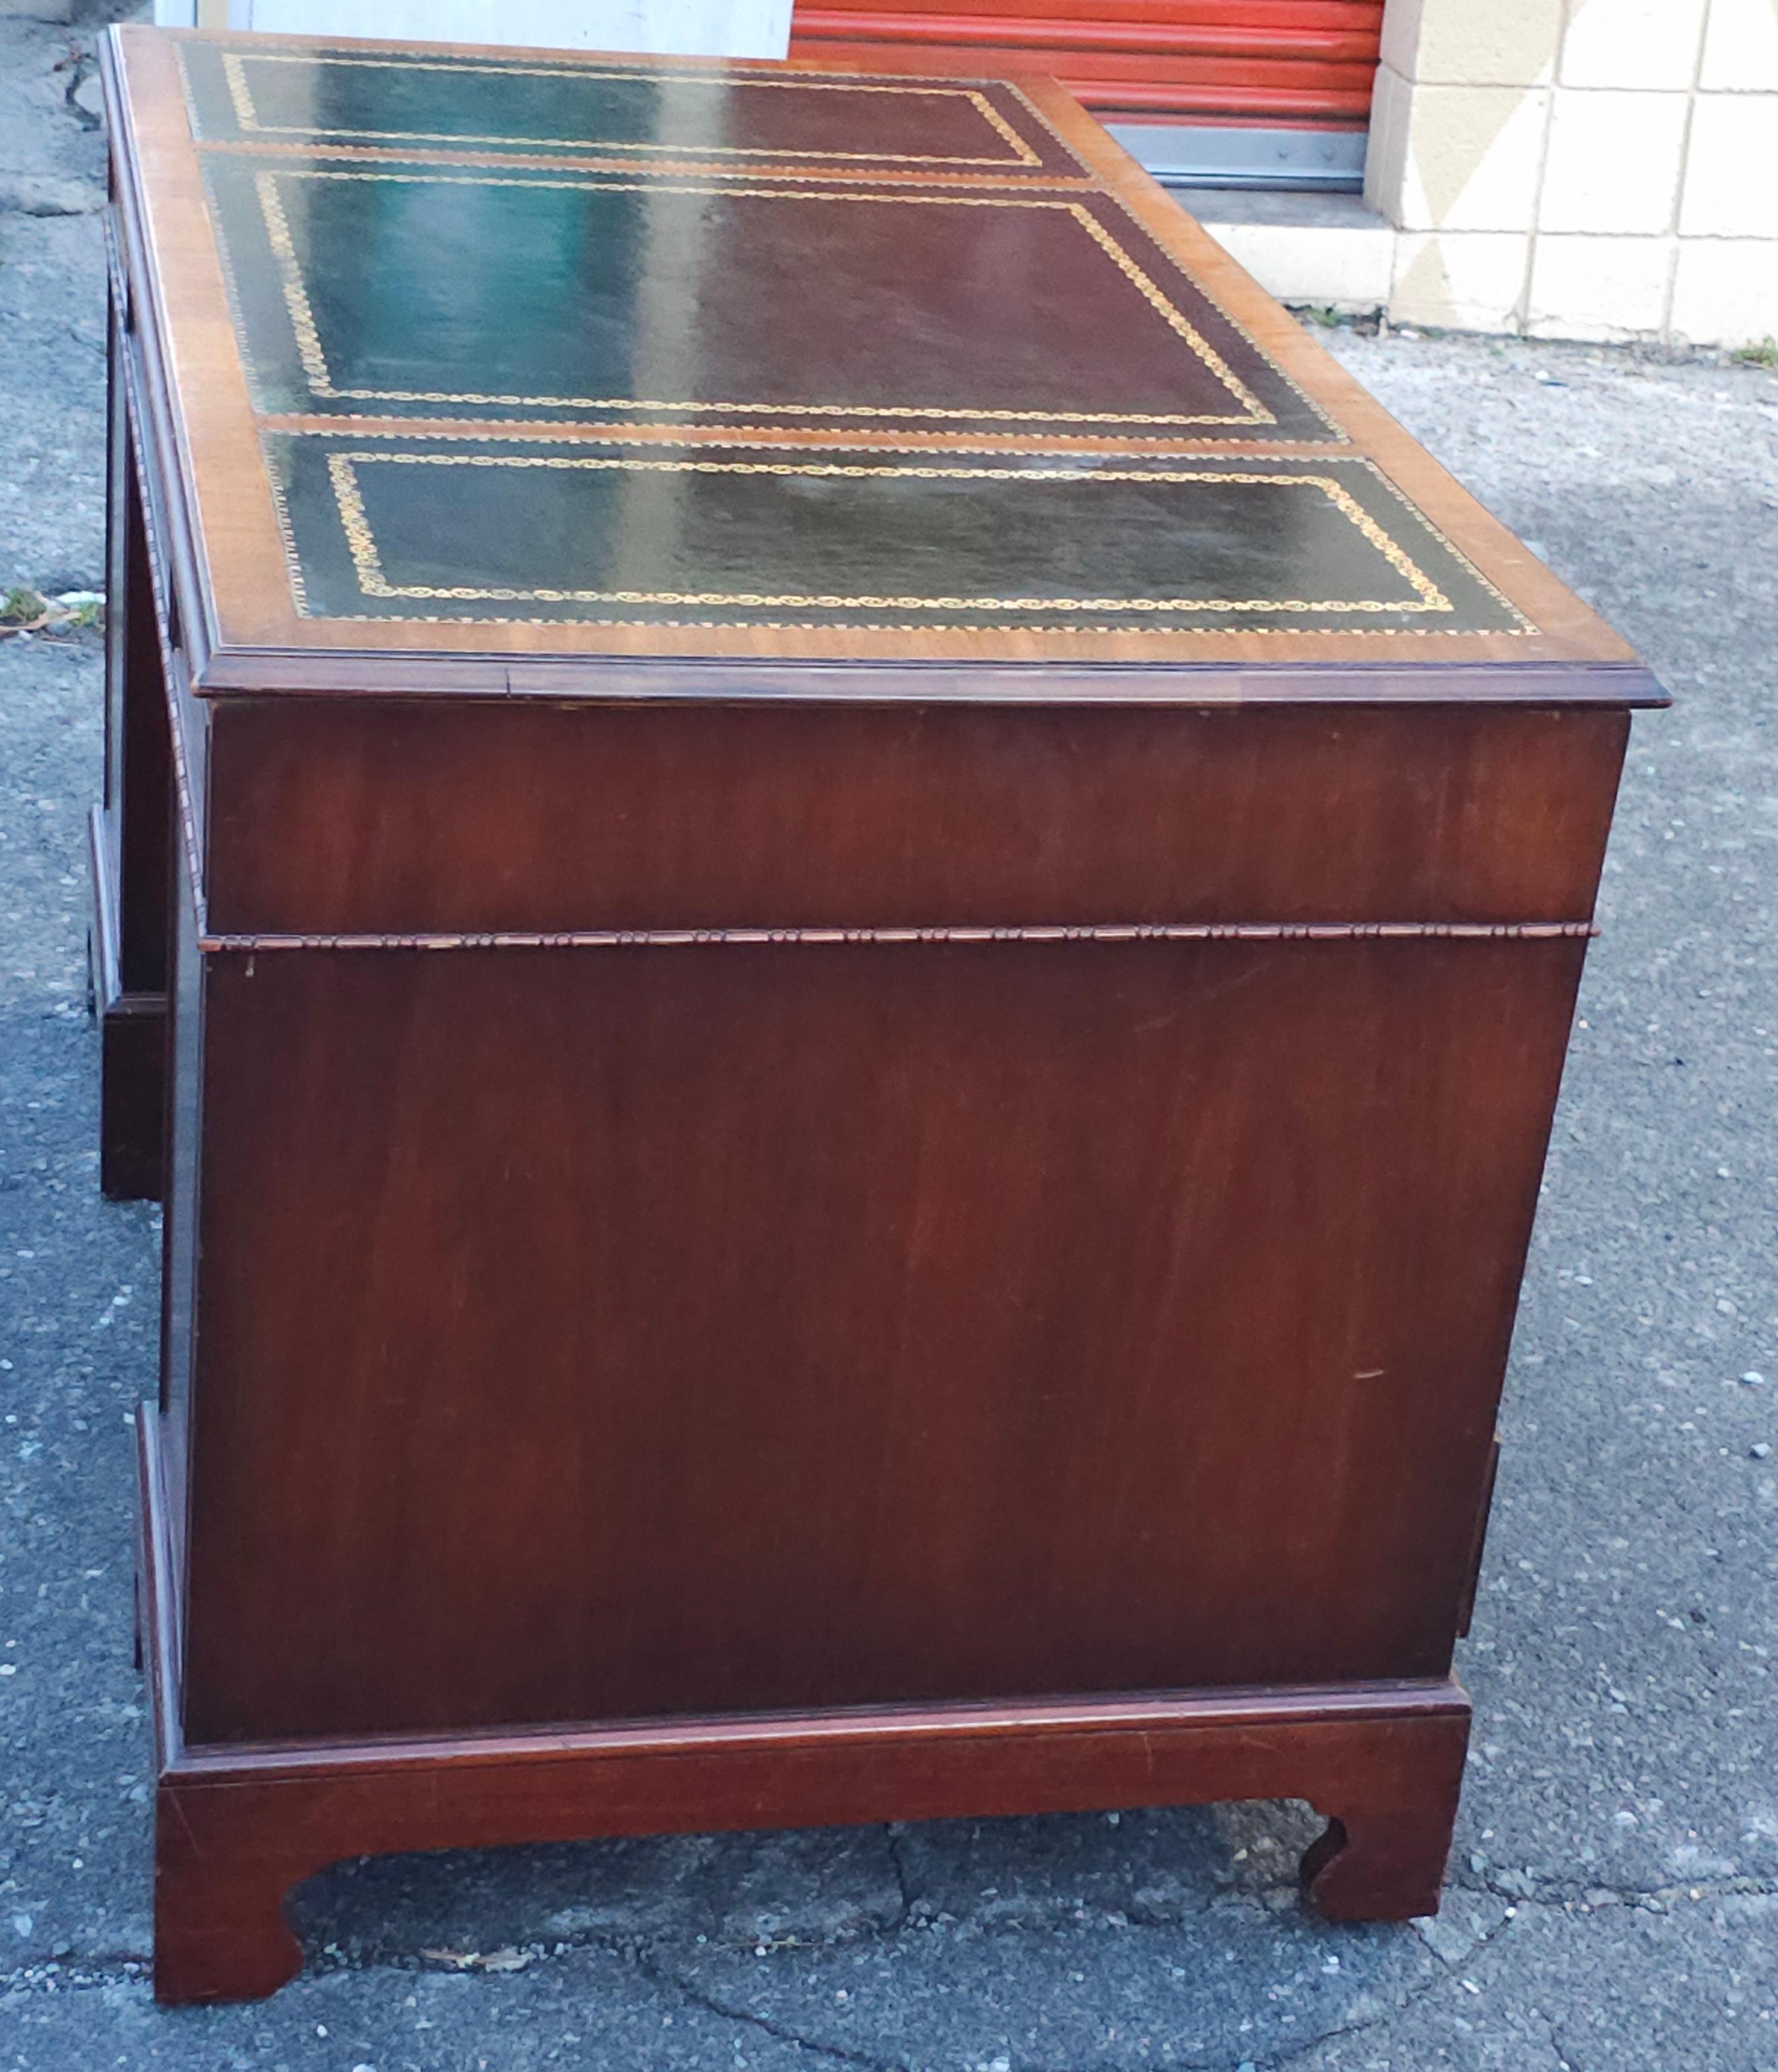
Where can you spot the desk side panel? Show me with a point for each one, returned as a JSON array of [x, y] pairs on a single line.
[[594, 1335]]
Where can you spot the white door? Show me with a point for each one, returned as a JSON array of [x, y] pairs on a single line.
[[685, 28]]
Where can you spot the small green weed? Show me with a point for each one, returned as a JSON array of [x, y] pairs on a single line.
[[23, 610], [1765, 354]]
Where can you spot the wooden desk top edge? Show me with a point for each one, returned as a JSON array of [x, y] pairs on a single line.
[[245, 637]]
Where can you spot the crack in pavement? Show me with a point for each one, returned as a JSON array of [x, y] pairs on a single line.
[[1410, 1998], [892, 1838], [1660, 1898], [59, 1976], [1274, 2061], [655, 1967], [708, 2004], [1557, 2050], [63, 1973]]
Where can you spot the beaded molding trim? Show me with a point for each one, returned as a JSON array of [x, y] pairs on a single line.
[[1113, 931]]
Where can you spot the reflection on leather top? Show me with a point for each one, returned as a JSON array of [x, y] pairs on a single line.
[[548, 105], [401, 289]]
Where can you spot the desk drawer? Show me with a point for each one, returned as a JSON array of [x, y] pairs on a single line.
[[402, 816]]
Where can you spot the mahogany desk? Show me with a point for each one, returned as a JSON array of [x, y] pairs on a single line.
[[874, 905]]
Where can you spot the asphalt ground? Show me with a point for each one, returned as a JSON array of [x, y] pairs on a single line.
[[1614, 1902]]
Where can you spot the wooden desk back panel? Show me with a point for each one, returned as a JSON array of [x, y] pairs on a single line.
[[828, 1325]]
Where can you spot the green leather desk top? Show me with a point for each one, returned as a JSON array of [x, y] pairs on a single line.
[[470, 354]]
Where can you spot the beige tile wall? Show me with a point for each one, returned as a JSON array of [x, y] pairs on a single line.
[[1599, 169]]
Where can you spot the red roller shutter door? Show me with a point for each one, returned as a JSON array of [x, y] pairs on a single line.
[[1286, 61]]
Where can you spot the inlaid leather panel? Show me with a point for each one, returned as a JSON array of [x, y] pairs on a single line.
[[609, 533], [541, 106], [895, 405], [403, 288]]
